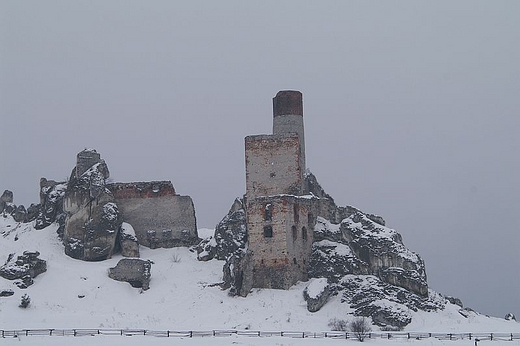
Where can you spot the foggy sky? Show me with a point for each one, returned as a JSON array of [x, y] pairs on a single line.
[[411, 111]]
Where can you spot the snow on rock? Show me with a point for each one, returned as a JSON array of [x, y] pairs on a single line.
[[316, 294]]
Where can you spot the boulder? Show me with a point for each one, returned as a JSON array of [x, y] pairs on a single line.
[[316, 294], [135, 271], [127, 241], [238, 273], [6, 292], [510, 317], [24, 267], [455, 301], [33, 212]]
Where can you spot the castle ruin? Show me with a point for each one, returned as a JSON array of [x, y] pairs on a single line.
[[280, 219]]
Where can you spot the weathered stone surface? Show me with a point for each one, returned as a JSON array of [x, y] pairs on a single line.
[[128, 242], [230, 235], [455, 301], [51, 204], [93, 219], [32, 212], [316, 294], [135, 271], [238, 273], [387, 304], [7, 196], [20, 214], [159, 216], [510, 317], [24, 267], [6, 292]]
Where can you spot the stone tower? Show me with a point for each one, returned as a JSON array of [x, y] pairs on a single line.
[[288, 118], [279, 219]]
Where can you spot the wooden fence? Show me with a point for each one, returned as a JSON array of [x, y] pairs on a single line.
[[251, 333]]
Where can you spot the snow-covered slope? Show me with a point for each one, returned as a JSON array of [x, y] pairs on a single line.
[[182, 295]]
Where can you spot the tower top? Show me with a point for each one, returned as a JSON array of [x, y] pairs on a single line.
[[288, 102]]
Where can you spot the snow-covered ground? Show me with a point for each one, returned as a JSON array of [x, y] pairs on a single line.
[[182, 296]]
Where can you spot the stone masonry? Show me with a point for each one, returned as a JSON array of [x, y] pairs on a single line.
[[279, 219], [159, 216]]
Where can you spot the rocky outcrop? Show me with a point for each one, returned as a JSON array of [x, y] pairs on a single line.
[[238, 273], [230, 235], [135, 271], [92, 218], [51, 204], [24, 268]]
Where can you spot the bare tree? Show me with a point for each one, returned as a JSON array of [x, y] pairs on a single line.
[[360, 327]]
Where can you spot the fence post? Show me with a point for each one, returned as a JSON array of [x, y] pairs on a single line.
[[491, 336], [470, 336], [168, 333], [511, 336], [191, 333]]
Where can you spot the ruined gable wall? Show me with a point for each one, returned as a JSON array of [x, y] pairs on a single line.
[[273, 165], [159, 216]]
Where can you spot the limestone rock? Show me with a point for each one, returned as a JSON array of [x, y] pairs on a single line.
[[510, 317], [93, 219], [51, 203], [24, 267], [455, 301], [316, 294], [128, 242], [230, 235], [20, 214], [6, 292], [238, 273], [387, 304], [135, 271], [7, 197], [32, 212]]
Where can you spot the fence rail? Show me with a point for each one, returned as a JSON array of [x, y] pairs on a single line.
[[255, 333]]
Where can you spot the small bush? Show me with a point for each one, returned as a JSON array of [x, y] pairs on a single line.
[[338, 325], [360, 327], [25, 301], [175, 258]]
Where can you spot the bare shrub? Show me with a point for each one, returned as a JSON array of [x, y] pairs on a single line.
[[25, 301], [360, 327], [175, 258], [338, 325]]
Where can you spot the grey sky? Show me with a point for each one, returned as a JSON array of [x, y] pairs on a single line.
[[411, 111]]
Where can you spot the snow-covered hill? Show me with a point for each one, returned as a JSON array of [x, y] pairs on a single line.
[[182, 295]]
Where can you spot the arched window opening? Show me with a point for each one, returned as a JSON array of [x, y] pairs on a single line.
[[268, 212], [294, 233], [304, 233], [294, 260], [296, 212]]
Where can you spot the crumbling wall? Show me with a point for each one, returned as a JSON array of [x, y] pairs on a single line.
[[280, 238], [159, 216]]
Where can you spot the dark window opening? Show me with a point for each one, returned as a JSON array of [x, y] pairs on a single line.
[[268, 232], [294, 232], [294, 260], [310, 220], [268, 212], [304, 233], [296, 214]]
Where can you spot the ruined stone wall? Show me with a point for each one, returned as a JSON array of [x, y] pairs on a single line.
[[159, 216], [280, 238], [273, 165]]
